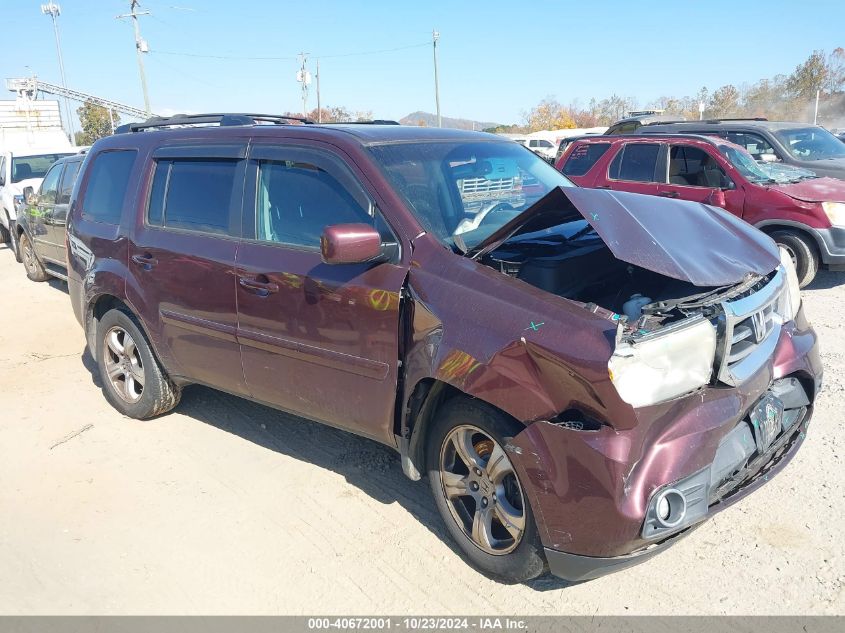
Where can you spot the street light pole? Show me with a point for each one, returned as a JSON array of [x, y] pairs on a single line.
[[54, 11], [140, 48], [434, 37]]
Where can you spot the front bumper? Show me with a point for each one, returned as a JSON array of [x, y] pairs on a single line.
[[577, 568], [591, 491], [832, 246]]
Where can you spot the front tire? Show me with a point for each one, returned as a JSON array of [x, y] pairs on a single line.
[[803, 254], [134, 382], [34, 268], [478, 491]]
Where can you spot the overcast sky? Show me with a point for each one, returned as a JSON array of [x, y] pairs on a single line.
[[497, 58]]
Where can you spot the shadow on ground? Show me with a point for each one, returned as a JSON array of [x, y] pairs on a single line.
[[369, 466], [826, 279]]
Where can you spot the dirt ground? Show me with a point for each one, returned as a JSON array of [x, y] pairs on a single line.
[[227, 507]]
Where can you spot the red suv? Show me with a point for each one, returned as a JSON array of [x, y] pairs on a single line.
[[802, 213], [583, 375]]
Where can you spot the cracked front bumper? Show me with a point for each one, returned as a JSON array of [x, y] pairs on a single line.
[[591, 490]]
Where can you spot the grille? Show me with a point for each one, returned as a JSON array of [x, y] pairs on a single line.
[[751, 330], [480, 187]]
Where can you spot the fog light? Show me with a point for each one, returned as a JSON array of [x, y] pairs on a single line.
[[663, 509], [670, 508]]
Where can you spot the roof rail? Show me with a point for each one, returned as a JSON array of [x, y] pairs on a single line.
[[709, 121], [667, 122], [222, 119], [373, 122]]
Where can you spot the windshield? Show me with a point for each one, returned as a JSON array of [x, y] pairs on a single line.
[[24, 167], [811, 143], [763, 172], [464, 191]]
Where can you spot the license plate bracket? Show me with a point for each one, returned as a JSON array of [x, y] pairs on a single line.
[[766, 421]]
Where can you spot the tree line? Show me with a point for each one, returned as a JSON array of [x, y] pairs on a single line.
[[785, 97]]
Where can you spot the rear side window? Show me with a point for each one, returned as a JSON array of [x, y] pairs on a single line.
[[106, 188], [636, 162], [193, 194], [583, 157], [68, 180]]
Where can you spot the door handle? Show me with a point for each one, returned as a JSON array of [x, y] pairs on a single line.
[[602, 187], [258, 285], [146, 261], [670, 194]]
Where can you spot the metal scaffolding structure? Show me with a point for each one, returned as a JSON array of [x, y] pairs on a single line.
[[28, 87]]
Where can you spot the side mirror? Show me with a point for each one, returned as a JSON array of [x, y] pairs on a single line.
[[350, 244], [29, 195], [717, 198], [769, 158]]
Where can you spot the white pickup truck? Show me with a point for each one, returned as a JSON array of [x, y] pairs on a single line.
[[31, 139]]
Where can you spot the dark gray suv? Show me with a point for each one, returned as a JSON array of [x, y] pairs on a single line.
[[798, 144]]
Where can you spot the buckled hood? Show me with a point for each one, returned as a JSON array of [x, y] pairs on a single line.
[[684, 240]]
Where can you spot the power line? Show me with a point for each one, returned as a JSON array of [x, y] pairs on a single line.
[[140, 47], [289, 57]]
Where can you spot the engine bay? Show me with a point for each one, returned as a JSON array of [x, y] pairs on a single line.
[[572, 261]]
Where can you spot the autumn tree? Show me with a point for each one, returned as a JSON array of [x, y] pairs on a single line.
[[339, 114], [95, 123], [548, 115], [808, 77], [724, 102]]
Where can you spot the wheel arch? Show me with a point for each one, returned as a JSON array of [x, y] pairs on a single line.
[[427, 397], [98, 307], [772, 226]]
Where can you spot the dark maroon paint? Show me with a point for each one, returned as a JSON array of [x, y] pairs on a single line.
[[282, 327], [350, 244]]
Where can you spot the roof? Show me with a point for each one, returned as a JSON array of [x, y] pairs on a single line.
[[727, 124], [233, 124], [656, 136]]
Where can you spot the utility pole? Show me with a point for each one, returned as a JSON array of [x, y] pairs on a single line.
[[54, 11], [304, 77], [816, 113], [319, 110], [141, 47], [434, 37]]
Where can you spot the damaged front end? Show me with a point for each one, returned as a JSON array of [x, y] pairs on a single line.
[[711, 356]]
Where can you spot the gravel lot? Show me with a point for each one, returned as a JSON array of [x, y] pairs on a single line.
[[227, 507]]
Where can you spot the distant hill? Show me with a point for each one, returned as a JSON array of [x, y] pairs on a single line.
[[430, 120]]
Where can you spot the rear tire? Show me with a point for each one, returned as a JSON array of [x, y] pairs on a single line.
[[5, 234], [803, 253], [134, 382], [33, 266], [485, 509], [16, 247]]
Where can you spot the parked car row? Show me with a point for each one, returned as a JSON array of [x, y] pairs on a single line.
[[804, 214], [583, 375]]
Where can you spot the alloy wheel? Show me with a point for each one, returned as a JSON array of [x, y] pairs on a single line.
[[124, 368], [482, 491]]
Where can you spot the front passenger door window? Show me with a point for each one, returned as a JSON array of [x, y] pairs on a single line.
[[297, 200], [693, 167], [41, 213]]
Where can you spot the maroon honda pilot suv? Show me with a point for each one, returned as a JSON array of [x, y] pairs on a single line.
[[584, 376]]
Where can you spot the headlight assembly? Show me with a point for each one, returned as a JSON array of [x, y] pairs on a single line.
[[666, 364], [835, 212], [791, 301]]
